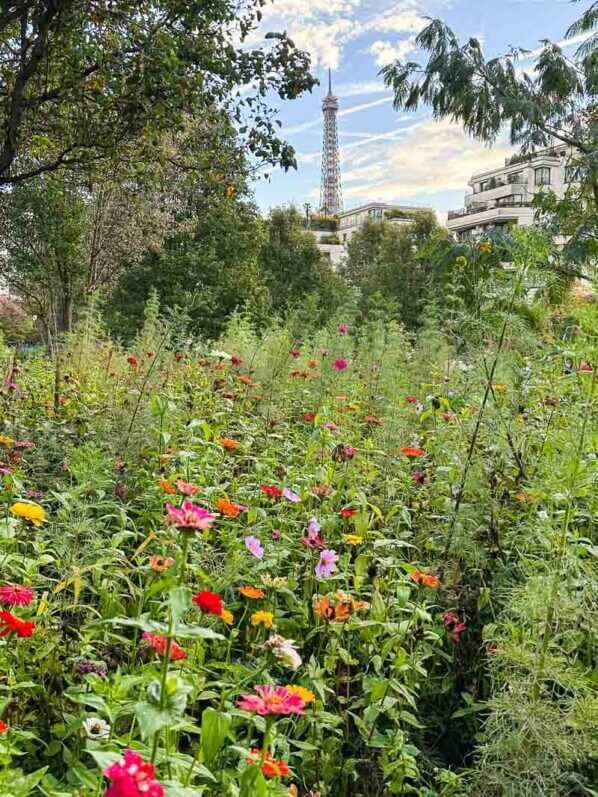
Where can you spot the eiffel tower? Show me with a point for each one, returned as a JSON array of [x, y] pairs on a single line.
[[331, 197]]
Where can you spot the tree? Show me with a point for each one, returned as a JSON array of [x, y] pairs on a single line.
[[388, 260], [556, 103], [87, 83], [15, 324], [293, 267], [44, 224]]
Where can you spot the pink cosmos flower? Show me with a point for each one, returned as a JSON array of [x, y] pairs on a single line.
[[5, 471], [11, 385], [327, 563], [186, 488], [15, 595], [291, 496], [189, 516], [132, 777], [343, 329], [339, 364], [313, 538], [272, 700], [254, 546], [23, 444]]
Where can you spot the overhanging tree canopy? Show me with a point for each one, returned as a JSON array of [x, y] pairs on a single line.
[[97, 81]]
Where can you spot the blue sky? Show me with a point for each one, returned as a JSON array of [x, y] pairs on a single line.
[[388, 155]]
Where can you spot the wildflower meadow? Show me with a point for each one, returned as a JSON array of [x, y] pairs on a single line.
[[325, 562]]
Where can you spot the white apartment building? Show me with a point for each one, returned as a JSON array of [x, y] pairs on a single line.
[[502, 197], [351, 220]]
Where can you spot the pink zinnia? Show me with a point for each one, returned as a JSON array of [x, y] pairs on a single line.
[[272, 700], [131, 776], [254, 546], [339, 364], [186, 488], [327, 563], [15, 595], [343, 329], [189, 516]]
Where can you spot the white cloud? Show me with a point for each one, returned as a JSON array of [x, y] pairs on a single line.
[[385, 52], [425, 159], [317, 121], [325, 41]]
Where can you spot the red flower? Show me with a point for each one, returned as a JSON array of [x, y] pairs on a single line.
[[208, 602], [133, 361], [132, 777], [308, 416], [271, 768], [179, 356], [411, 399], [3, 726], [413, 452], [271, 490], [15, 595], [346, 512], [295, 353], [236, 360], [373, 419], [9, 622], [159, 644], [449, 417], [585, 367]]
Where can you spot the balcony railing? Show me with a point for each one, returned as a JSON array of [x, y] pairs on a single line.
[[473, 209], [492, 184]]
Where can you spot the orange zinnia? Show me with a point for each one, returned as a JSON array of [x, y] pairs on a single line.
[[159, 564], [245, 380], [340, 610], [228, 508], [252, 592], [410, 451], [229, 444], [424, 578], [167, 488]]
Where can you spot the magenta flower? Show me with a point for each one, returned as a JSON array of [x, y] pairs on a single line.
[[343, 329], [290, 495], [132, 776], [189, 516], [339, 364], [418, 477], [332, 427], [327, 563], [15, 595], [272, 700], [276, 534], [6, 471], [349, 451], [11, 385], [254, 546]]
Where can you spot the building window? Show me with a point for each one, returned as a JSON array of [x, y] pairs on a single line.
[[542, 176], [572, 174], [516, 177]]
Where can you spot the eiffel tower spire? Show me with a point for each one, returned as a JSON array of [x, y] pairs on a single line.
[[331, 199]]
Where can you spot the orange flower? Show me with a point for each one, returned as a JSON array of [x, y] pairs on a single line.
[[228, 508], [305, 694], [424, 578], [271, 768], [410, 451], [312, 363], [340, 610], [159, 564], [229, 444], [219, 367], [252, 592], [227, 616], [245, 380], [167, 488]]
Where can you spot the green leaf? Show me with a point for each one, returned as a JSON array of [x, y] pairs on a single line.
[[253, 783], [214, 728]]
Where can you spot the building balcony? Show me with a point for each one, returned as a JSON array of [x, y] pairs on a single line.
[[490, 213], [498, 188]]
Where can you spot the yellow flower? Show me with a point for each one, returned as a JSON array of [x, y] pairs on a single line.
[[353, 539], [5, 441], [32, 512], [277, 582], [227, 616], [305, 694], [498, 386], [485, 247], [262, 618]]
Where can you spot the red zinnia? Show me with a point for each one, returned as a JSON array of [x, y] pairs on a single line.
[[271, 490], [411, 399], [15, 595], [208, 602], [346, 512], [236, 360], [3, 726], [9, 622], [308, 416], [424, 578]]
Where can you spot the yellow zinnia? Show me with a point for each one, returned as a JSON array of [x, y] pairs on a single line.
[[262, 618], [353, 539], [305, 694], [31, 512], [227, 616], [5, 441]]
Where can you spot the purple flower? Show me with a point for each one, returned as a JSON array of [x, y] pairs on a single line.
[[120, 490], [343, 329], [291, 496], [11, 385], [85, 667], [418, 477], [254, 546], [339, 364], [327, 563], [313, 538]]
